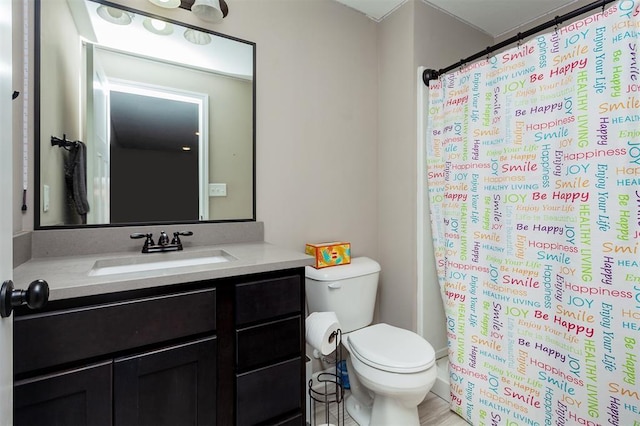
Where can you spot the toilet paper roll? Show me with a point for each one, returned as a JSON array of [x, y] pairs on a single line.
[[320, 331]]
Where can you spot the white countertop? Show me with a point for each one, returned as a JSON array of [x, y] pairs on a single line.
[[68, 276]]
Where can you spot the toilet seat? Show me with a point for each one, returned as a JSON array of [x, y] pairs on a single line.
[[391, 349]]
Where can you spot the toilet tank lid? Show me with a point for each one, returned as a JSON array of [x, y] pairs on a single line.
[[358, 267]]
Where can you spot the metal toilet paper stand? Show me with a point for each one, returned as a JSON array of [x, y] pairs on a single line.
[[327, 390]]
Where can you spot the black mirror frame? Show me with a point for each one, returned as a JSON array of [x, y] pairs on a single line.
[[37, 134]]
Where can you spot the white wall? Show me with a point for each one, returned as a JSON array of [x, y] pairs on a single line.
[[336, 125], [414, 35], [397, 169], [317, 119]]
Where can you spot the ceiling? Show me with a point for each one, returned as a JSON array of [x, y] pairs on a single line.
[[221, 55], [494, 17]]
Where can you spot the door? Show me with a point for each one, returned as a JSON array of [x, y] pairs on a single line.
[[6, 202]]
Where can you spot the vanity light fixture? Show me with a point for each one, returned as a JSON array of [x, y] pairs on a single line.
[[197, 37], [167, 4], [157, 26], [210, 10], [114, 15]]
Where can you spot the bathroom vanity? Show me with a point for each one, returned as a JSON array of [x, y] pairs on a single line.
[[212, 334], [209, 344]]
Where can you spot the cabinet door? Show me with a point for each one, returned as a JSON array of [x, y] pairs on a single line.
[[172, 386], [75, 397], [269, 393]]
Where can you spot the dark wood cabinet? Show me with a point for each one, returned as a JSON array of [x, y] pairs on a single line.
[[269, 343], [270, 351], [65, 336], [169, 387], [227, 351], [265, 394], [74, 397]]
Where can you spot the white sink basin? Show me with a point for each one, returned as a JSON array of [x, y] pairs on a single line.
[[158, 261]]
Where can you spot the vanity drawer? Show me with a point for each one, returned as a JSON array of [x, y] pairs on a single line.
[[105, 329], [268, 343], [269, 392], [266, 299]]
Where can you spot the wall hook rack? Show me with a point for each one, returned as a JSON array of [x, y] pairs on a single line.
[[63, 143]]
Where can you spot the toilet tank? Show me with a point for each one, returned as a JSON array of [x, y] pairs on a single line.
[[348, 290]]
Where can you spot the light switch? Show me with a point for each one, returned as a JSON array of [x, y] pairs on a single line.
[[217, 190], [46, 196]]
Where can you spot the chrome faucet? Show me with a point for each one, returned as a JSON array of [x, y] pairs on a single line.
[[163, 241]]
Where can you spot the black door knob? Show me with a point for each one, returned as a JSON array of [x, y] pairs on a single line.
[[35, 296]]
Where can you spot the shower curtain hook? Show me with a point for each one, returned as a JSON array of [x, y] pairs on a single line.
[[557, 21], [519, 40], [488, 52], [604, 2]]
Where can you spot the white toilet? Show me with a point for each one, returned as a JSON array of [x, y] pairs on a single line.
[[391, 370]]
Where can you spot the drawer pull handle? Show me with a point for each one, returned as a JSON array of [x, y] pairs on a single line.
[[35, 296], [335, 285]]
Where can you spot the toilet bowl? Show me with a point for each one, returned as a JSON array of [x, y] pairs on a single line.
[[398, 369], [390, 369]]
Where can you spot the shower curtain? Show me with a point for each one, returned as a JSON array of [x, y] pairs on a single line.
[[533, 172]]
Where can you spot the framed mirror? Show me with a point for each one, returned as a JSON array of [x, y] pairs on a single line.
[[140, 119]]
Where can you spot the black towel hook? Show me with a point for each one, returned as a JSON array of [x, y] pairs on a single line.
[[63, 143]]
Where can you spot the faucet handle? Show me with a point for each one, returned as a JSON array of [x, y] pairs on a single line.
[[137, 235], [148, 242], [176, 236]]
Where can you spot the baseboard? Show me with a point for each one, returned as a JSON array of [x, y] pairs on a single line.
[[441, 386]]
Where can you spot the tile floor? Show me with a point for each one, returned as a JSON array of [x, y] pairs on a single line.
[[434, 411]]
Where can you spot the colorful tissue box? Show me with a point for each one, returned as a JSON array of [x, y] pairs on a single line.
[[329, 254]]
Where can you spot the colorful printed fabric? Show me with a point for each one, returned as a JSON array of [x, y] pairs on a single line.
[[533, 160]]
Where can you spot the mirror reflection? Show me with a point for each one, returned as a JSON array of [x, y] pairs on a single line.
[[153, 120]]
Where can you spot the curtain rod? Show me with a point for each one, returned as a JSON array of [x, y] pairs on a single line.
[[431, 74]]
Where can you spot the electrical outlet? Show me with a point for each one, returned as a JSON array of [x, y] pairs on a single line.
[[217, 190]]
